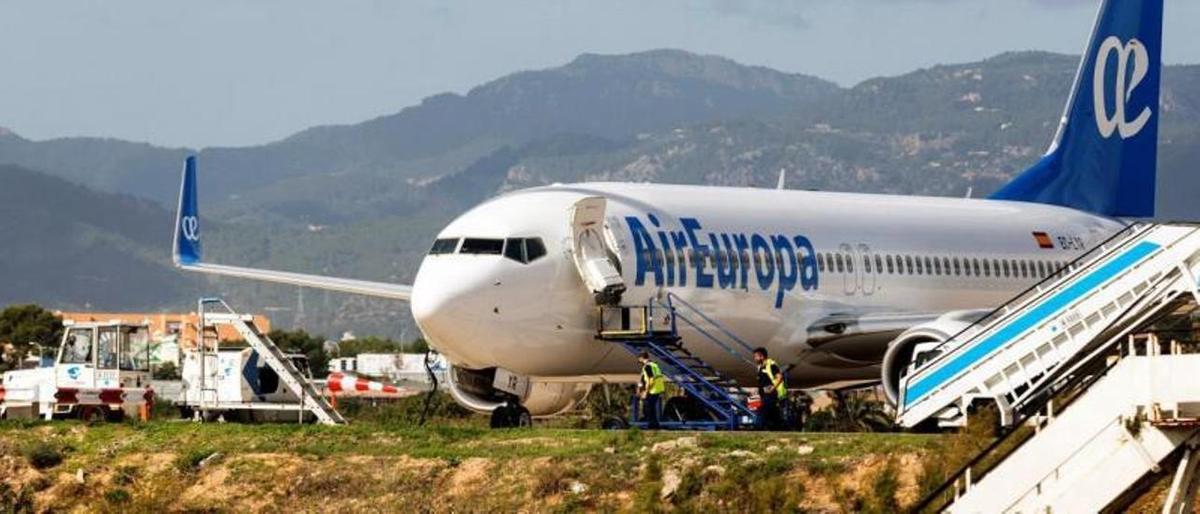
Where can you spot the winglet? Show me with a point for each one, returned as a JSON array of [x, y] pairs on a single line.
[[187, 218]]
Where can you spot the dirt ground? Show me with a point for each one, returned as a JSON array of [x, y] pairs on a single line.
[[184, 467]]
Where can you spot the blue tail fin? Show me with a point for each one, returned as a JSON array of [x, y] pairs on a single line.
[[1104, 156], [187, 220]]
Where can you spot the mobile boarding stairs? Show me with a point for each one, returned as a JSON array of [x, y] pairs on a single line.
[[214, 313], [1095, 376], [721, 403]]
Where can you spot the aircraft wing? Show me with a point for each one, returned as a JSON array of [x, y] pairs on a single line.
[[187, 255]]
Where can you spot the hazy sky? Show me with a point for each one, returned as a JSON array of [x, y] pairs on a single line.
[[236, 73]]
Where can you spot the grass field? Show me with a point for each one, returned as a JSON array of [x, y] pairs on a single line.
[[373, 466], [384, 462]]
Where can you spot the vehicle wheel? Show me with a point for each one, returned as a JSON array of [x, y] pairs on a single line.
[[614, 423], [89, 414], [114, 416]]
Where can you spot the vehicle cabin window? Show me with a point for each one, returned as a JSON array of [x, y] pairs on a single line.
[[1041, 268], [444, 246], [473, 246], [841, 265], [878, 264], [891, 265], [908, 265], [106, 348], [937, 266], [821, 262], [78, 347], [987, 268], [849, 263], [867, 263], [975, 266], [135, 350]]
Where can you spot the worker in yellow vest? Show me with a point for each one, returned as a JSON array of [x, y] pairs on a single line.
[[651, 389], [771, 389]]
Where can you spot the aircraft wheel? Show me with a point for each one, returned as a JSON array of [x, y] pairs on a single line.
[[523, 419], [511, 415]]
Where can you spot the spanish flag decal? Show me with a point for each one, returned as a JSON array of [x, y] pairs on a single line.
[[1043, 240]]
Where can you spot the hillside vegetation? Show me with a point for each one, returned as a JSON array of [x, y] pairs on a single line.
[[364, 200]]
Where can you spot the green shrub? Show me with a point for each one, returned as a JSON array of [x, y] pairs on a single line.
[[43, 455], [190, 461], [117, 495]]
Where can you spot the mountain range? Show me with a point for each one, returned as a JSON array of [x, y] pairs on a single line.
[[364, 200]]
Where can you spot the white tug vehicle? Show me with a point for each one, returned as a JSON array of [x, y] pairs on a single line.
[[101, 370]]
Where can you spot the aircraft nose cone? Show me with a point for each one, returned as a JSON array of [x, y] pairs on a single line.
[[450, 306]]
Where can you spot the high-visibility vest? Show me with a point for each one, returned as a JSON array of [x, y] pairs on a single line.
[[653, 378], [765, 368]]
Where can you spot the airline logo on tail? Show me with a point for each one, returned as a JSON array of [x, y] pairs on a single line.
[[190, 227], [1133, 52]]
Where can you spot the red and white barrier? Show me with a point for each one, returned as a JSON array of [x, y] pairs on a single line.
[[113, 396], [346, 383]]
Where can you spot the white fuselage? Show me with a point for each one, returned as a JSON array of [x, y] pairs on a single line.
[[899, 256]]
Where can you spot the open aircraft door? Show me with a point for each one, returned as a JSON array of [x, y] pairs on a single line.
[[595, 260]]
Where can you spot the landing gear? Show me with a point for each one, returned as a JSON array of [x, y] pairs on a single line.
[[511, 415]]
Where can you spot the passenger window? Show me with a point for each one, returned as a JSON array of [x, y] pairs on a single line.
[[841, 265], [867, 263], [908, 265], [975, 265], [921, 265], [444, 246], [821, 262], [987, 268], [849, 263], [937, 266], [482, 246], [891, 268], [878, 264]]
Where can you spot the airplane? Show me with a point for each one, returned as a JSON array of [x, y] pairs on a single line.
[[839, 287]]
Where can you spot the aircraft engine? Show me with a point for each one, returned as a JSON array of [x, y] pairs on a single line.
[[921, 342], [476, 390]]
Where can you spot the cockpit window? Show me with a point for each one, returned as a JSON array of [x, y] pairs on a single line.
[[482, 246], [534, 249], [444, 246], [524, 250]]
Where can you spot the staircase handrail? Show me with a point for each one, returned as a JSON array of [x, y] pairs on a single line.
[[670, 305], [1059, 274]]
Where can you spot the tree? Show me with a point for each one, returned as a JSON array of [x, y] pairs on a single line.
[[299, 341], [367, 345], [21, 325]]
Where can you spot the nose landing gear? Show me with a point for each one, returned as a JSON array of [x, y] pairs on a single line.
[[511, 415]]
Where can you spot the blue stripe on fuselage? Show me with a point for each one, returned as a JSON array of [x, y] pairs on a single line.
[[1029, 320]]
